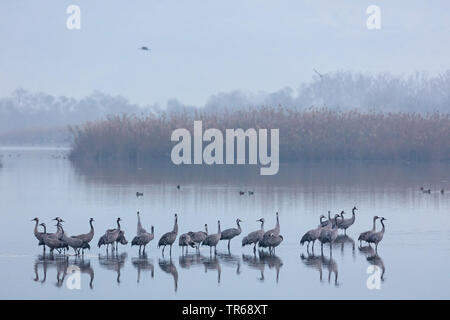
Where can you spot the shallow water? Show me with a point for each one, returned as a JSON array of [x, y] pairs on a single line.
[[412, 259]]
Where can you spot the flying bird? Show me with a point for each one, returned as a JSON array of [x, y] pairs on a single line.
[[144, 48], [319, 74]]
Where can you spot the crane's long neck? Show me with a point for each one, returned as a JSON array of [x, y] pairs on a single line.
[[206, 229], [175, 226], [262, 225], [118, 224], [382, 223], [277, 226], [373, 227], [92, 226], [218, 228], [36, 227], [335, 224], [45, 228], [239, 226], [63, 233]]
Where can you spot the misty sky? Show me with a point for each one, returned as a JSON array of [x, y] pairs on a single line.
[[200, 48]]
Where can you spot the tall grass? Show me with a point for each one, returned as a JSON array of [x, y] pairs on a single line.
[[313, 134]]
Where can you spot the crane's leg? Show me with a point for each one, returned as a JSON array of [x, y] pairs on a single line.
[[163, 251], [229, 245], [254, 249], [170, 252]]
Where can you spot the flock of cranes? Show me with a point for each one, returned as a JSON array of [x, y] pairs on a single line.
[[326, 233]]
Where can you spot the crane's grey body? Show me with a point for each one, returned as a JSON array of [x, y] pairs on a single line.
[[184, 241], [312, 235], [272, 241], [328, 234], [86, 237], [346, 223], [75, 243], [366, 234], [110, 236], [376, 237], [121, 239], [143, 239], [255, 236], [169, 238], [230, 233], [199, 236], [52, 241], [213, 239]]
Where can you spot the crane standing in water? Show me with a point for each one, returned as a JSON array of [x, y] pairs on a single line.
[[229, 234], [376, 237], [213, 239], [255, 236], [169, 238]]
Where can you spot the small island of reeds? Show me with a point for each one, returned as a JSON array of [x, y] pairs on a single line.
[[305, 135]]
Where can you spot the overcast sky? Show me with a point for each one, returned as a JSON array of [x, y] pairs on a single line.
[[200, 48]]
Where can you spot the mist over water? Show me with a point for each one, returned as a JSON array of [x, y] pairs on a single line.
[[40, 117], [412, 257]]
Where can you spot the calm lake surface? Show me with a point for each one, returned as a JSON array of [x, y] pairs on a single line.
[[413, 257]]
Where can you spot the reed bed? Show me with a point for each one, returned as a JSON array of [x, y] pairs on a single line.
[[313, 134]]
